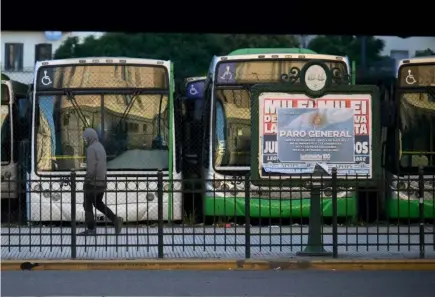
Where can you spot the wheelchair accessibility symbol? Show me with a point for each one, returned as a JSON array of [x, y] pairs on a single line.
[[193, 90], [46, 79], [410, 80], [227, 75]]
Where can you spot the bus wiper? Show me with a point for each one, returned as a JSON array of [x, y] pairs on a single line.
[[127, 109], [77, 108]]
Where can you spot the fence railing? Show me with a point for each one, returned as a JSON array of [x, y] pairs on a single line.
[[226, 219]]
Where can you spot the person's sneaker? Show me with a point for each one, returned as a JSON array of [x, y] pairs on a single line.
[[87, 233], [118, 225]]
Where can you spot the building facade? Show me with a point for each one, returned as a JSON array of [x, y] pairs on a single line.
[[20, 50], [402, 48]]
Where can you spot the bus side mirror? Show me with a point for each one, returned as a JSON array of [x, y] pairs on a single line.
[[387, 114], [388, 107], [24, 155], [178, 120]]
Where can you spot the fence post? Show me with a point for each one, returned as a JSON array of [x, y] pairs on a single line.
[[247, 217], [314, 246], [160, 213], [73, 215], [21, 187], [421, 209], [334, 214]]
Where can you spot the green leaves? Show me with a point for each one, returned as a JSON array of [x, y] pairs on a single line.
[[348, 45], [191, 52]]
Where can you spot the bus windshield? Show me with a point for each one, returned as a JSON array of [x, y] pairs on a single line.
[[417, 116], [5, 126], [133, 127], [232, 105], [136, 141], [417, 131]]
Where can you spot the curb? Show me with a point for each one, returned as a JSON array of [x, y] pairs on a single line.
[[77, 265]]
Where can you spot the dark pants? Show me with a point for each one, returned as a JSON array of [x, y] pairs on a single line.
[[94, 197]]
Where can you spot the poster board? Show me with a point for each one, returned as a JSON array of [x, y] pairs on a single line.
[[297, 132], [298, 96]]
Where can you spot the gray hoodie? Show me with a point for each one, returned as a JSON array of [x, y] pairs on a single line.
[[96, 167]]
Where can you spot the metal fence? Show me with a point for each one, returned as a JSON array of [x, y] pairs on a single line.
[[241, 235], [24, 76]]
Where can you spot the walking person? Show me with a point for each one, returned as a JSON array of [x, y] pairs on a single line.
[[95, 184]]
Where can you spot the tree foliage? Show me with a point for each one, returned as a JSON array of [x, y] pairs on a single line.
[[423, 53], [349, 45], [191, 53]]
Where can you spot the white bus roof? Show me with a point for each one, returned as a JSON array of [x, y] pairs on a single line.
[[104, 60], [217, 59], [281, 56], [416, 60]]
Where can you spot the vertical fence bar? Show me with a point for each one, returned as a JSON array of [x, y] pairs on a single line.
[[421, 210], [160, 213], [247, 217], [334, 214], [73, 215]]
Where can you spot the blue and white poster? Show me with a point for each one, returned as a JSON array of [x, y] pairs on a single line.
[[297, 133], [315, 135]]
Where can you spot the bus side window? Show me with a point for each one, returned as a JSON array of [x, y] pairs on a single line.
[[221, 134]]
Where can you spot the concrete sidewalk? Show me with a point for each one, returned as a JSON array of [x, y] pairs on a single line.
[[213, 243]]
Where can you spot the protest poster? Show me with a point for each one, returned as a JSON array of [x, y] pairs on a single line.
[[298, 132]]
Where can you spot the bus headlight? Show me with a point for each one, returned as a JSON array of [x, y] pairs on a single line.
[[328, 192], [7, 175], [150, 197], [46, 193], [37, 187], [217, 184], [401, 185], [228, 189], [56, 196], [307, 184]]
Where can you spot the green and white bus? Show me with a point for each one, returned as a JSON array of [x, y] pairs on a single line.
[[226, 152], [410, 140], [14, 130], [130, 103]]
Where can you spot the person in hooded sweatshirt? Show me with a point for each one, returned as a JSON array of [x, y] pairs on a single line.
[[95, 183]]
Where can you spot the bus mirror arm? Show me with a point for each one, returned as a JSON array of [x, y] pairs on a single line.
[[384, 146], [387, 109], [179, 123]]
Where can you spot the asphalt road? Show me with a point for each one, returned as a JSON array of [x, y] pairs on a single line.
[[218, 283]]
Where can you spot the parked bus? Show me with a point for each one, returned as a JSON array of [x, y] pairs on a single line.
[[129, 102], [410, 139], [227, 138], [14, 131]]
